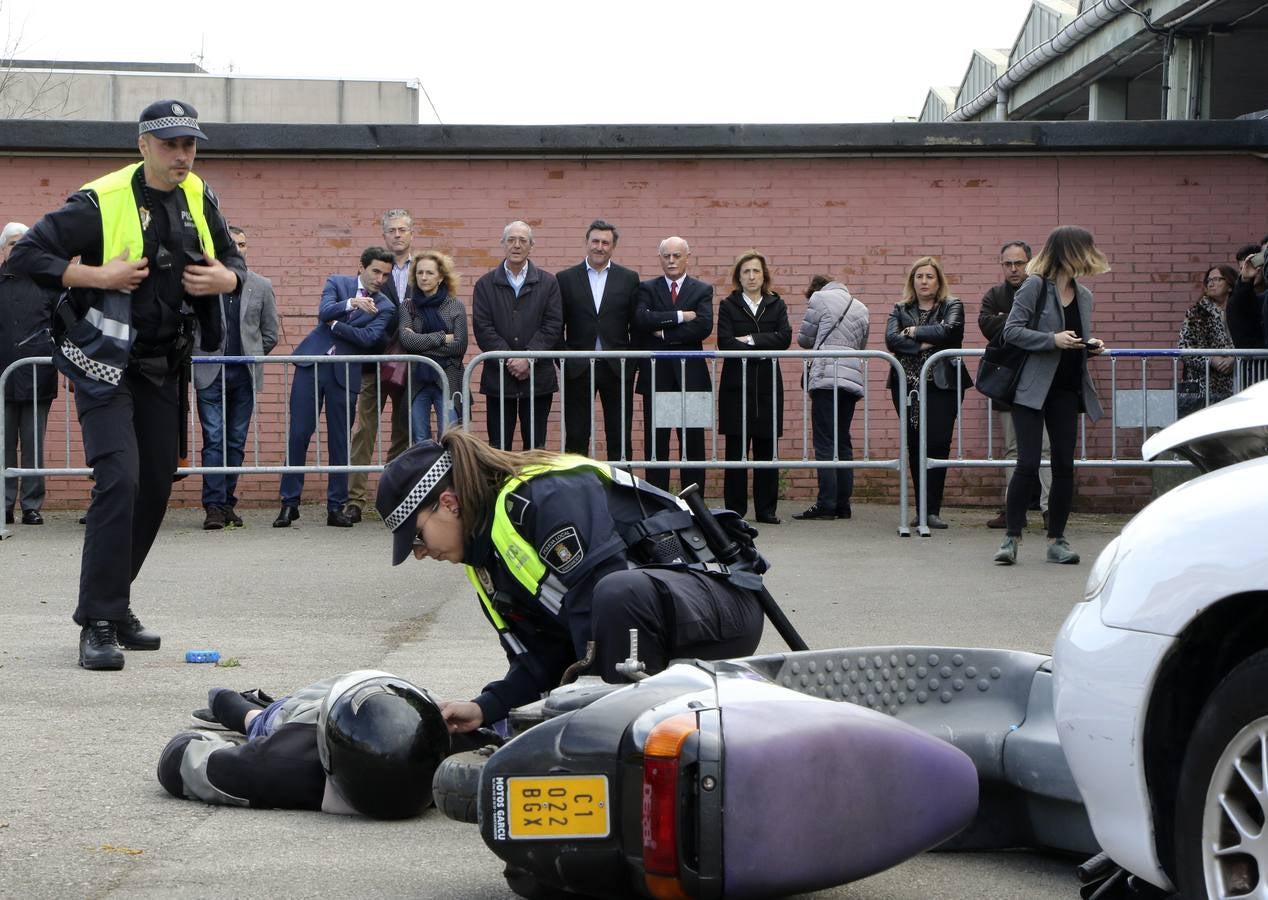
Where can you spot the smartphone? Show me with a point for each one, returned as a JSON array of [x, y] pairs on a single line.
[[1093, 342], [1258, 259]]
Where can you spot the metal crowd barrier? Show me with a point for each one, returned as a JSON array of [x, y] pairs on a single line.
[[1137, 399], [680, 408], [1145, 400], [251, 457]]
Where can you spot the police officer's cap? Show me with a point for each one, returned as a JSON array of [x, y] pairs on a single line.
[[170, 119], [407, 483]]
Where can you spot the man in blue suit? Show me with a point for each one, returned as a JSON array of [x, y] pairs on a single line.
[[352, 319]]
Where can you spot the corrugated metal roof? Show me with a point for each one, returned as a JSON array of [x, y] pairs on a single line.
[[938, 104], [984, 68], [1045, 19]]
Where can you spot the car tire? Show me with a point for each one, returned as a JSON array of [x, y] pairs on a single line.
[[455, 787], [1229, 738]]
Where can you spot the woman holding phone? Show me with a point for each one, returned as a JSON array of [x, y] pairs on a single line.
[[1054, 386]]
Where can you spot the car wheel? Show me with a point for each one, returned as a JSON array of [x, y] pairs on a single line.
[[456, 785], [1221, 831]]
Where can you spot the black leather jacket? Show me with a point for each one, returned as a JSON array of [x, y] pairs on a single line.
[[944, 331]]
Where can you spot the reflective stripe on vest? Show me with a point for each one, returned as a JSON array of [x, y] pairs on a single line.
[[504, 631], [121, 220], [518, 555]]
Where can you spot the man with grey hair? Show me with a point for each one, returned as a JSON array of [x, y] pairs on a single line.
[[673, 312], [26, 310], [517, 306], [398, 237]]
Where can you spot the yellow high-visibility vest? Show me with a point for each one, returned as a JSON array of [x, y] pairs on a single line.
[[121, 220], [519, 556]]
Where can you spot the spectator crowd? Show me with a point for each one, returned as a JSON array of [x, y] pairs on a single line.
[[406, 301]]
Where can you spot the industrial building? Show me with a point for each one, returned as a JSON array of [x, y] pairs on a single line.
[[1118, 59], [116, 92]]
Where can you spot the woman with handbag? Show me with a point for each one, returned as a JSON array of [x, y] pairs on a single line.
[[1207, 380], [926, 320], [751, 391], [434, 324], [834, 320], [1051, 319]]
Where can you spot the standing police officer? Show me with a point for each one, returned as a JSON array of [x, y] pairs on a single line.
[[154, 252]]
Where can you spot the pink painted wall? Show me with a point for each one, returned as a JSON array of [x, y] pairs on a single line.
[[1160, 219]]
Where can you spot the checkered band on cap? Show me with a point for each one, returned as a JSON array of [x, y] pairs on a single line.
[[439, 469], [167, 122]]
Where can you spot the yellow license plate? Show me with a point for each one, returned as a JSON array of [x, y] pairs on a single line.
[[558, 806]]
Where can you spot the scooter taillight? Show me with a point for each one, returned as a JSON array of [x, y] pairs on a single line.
[[660, 805]]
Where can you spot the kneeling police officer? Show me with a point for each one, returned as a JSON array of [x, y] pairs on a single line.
[[563, 551]]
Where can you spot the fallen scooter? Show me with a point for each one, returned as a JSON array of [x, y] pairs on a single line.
[[751, 777], [773, 774]]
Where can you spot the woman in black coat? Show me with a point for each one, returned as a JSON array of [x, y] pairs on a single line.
[[928, 319], [751, 394], [25, 316]]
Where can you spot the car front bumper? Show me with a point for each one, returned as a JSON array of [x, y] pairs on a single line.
[[1103, 681]]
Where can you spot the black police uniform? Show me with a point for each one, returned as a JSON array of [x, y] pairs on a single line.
[[595, 591], [131, 435]]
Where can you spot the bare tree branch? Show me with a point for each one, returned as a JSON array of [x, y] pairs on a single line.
[[29, 93]]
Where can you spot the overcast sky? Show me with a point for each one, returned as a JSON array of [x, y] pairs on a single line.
[[560, 61]]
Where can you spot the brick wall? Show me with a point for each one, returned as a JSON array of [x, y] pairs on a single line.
[[1161, 219]]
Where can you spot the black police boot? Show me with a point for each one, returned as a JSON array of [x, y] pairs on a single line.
[[135, 636], [99, 646]]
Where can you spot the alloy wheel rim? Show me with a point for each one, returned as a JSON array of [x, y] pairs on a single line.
[[1235, 817]]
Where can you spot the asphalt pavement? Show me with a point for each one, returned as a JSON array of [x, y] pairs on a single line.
[[82, 814]]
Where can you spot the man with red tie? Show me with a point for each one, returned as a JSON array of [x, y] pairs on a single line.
[[674, 312]]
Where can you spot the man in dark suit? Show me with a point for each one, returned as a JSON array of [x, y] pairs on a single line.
[[598, 299], [352, 319], [673, 313], [516, 306]]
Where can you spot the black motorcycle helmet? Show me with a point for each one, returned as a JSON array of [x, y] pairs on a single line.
[[380, 740]]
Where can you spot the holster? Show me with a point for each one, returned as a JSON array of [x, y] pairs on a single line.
[[671, 538]]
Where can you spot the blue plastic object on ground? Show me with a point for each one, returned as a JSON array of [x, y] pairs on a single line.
[[202, 656]]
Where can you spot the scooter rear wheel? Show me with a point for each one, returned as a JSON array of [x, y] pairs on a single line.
[[456, 785]]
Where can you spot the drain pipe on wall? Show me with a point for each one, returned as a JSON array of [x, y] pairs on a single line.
[[1083, 26], [1168, 47], [1001, 105]]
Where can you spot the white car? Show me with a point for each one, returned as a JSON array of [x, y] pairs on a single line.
[[1161, 674]]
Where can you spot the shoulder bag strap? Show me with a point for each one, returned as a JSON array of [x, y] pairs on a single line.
[[836, 324], [1043, 301]]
